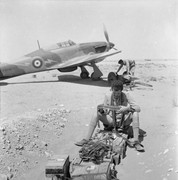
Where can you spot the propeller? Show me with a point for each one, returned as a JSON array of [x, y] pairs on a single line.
[[106, 33], [110, 44]]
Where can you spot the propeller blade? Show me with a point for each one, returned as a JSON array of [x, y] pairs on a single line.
[[106, 33], [110, 45]]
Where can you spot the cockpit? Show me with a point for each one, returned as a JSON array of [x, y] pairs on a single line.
[[60, 45], [66, 43]]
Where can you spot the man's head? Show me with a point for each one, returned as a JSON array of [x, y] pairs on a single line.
[[120, 61], [116, 87]]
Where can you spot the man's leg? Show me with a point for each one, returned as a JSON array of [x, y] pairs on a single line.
[[105, 119], [135, 125], [132, 70], [92, 126]]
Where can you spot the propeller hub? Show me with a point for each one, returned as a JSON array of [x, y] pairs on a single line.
[[111, 45]]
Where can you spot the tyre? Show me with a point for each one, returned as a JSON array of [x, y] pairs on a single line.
[[84, 75]]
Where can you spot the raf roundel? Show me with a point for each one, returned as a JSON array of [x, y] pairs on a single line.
[[37, 63]]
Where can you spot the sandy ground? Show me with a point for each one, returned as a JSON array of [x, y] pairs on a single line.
[[47, 113]]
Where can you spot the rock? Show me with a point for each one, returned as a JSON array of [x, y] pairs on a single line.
[[9, 168], [44, 144], [10, 176], [20, 147], [68, 111], [170, 169], [2, 128], [62, 125], [153, 79], [165, 151], [47, 154], [35, 136], [148, 171], [64, 119]]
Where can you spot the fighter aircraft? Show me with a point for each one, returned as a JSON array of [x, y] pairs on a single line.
[[64, 56]]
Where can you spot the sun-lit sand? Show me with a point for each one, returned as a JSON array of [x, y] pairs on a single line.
[[26, 99]]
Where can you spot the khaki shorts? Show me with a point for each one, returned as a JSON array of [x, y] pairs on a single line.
[[108, 120]]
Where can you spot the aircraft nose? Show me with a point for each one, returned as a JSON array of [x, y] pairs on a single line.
[[111, 45]]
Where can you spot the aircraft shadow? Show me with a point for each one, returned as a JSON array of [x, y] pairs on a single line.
[[3, 83], [64, 78], [78, 80]]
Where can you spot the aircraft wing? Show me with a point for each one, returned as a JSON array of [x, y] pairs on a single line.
[[84, 60]]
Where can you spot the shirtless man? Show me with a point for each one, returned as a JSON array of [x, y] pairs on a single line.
[[130, 66]]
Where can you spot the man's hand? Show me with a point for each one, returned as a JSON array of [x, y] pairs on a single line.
[[101, 112], [123, 109]]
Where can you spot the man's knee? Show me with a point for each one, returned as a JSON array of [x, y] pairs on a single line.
[[135, 115]]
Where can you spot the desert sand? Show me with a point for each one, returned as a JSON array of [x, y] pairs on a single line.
[[46, 113]]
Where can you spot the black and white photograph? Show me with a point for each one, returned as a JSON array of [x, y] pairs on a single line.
[[88, 90]]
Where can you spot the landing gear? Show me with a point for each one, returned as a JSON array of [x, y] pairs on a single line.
[[94, 78], [96, 75], [84, 74]]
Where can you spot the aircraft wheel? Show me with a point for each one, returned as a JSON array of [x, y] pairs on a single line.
[[84, 75], [111, 77], [94, 78]]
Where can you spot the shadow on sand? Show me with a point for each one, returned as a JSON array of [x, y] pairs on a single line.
[[64, 78]]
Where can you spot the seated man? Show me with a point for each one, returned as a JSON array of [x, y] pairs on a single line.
[[125, 103]]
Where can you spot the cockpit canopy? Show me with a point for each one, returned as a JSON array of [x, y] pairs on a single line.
[[66, 43], [60, 45]]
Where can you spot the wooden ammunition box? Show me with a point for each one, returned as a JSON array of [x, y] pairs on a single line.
[[58, 165]]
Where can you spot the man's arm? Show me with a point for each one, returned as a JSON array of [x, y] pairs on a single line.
[[119, 68], [132, 103], [105, 103], [127, 67]]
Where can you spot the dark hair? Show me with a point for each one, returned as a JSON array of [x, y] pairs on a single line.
[[120, 61], [117, 85]]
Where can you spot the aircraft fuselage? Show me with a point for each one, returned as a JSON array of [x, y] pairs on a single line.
[[45, 58]]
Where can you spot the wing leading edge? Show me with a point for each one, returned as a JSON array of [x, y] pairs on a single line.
[[84, 60]]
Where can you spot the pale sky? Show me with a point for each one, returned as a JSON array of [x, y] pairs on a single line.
[[140, 28]]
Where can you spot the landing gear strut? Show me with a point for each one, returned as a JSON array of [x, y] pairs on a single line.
[[96, 75]]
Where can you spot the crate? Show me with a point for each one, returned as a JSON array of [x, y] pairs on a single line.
[[58, 166], [90, 171]]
